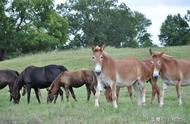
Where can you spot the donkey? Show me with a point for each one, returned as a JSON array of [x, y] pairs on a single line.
[[172, 72], [118, 73]]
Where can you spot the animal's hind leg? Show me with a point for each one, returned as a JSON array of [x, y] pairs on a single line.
[[114, 94], [130, 91], [178, 90], [88, 92], [67, 92], [72, 93], [37, 94], [164, 88], [10, 90]]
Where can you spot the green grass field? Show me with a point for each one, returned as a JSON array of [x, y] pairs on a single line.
[[83, 112]]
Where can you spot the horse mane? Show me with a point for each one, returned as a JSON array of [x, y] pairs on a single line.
[[57, 80], [168, 56], [17, 73], [17, 84]]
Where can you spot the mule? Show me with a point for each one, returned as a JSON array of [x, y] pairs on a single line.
[[118, 73], [36, 78], [7, 77], [172, 71], [148, 71], [74, 79]]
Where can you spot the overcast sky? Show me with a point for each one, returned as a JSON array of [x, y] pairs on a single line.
[[156, 11]]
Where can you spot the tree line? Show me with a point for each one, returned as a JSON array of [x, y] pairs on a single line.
[[40, 25]]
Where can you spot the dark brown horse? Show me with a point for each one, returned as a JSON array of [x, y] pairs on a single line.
[[7, 77], [74, 79], [36, 78]]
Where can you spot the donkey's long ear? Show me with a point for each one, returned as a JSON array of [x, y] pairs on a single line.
[[150, 51], [92, 47], [162, 53], [103, 47]]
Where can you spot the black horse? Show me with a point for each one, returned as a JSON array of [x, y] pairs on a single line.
[[7, 77], [36, 78]]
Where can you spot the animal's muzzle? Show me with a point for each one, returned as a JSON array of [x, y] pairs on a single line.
[[98, 73], [98, 69], [156, 73]]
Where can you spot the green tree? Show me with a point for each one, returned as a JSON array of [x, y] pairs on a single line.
[[174, 31], [30, 26], [102, 21]]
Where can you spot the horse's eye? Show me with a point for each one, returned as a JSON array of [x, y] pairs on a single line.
[[158, 62], [101, 57], [93, 57]]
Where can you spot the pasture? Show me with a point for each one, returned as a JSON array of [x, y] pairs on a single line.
[[83, 112]]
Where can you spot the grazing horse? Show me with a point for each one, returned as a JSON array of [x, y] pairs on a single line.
[[118, 73], [74, 79], [148, 71], [7, 77], [36, 78], [172, 72]]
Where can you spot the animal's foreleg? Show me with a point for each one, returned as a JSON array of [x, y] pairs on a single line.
[[97, 95], [164, 88], [61, 94], [178, 90], [39, 92], [144, 96], [114, 95], [28, 93], [56, 95]]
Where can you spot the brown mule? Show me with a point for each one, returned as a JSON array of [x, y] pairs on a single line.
[[118, 73], [172, 72], [73, 79], [148, 71]]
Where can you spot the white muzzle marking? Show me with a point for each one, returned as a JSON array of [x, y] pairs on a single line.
[[98, 68], [156, 73]]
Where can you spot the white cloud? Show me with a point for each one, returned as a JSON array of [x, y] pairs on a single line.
[[157, 11]]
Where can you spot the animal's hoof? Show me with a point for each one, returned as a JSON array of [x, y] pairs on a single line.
[[96, 106], [180, 104], [143, 104], [161, 105]]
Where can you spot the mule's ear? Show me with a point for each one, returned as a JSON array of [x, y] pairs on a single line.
[[150, 51], [93, 47], [103, 47], [162, 53]]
